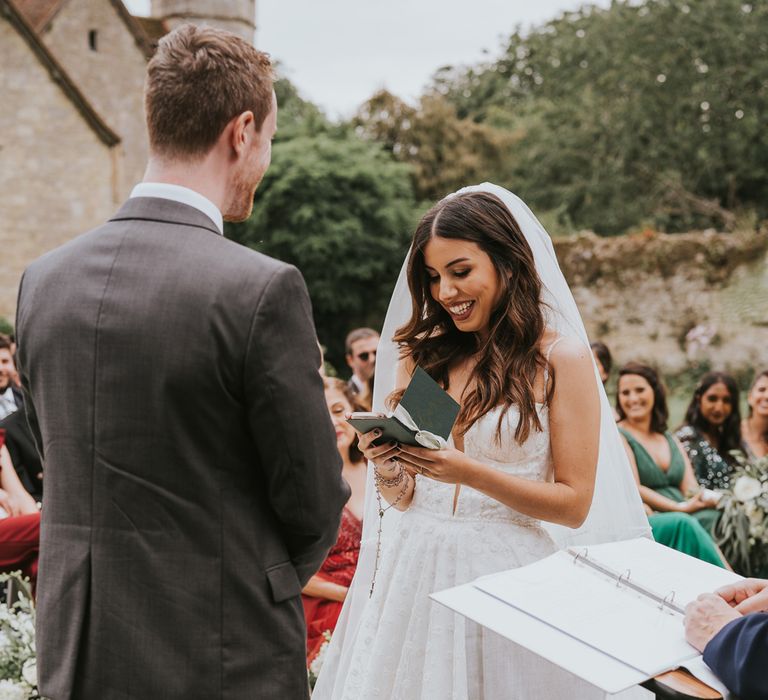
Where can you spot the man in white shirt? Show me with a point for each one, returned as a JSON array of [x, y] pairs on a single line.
[[360, 346], [10, 396]]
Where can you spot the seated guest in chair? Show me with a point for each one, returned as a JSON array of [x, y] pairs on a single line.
[[730, 627], [754, 428], [603, 359], [661, 466], [24, 455], [712, 429], [20, 522], [10, 395], [324, 594]]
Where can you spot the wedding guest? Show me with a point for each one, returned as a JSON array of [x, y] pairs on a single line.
[[19, 523], [603, 359], [325, 592], [712, 429], [754, 428], [730, 627], [360, 346], [10, 396], [661, 466]]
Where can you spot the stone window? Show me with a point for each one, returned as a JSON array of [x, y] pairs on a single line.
[[93, 40]]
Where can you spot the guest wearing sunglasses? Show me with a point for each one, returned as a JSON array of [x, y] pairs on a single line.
[[361, 345]]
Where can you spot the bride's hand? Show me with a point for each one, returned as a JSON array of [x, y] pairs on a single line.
[[448, 465], [379, 455]]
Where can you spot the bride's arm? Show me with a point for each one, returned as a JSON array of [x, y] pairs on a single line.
[[574, 417]]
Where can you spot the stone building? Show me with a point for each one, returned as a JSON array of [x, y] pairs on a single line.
[[72, 136]]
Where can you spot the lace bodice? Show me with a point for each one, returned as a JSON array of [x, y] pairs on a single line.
[[531, 460]]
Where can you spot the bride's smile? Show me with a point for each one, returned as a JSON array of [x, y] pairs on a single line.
[[463, 280]]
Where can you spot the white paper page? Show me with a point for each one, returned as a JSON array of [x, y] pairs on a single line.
[[574, 656], [662, 569], [589, 606]]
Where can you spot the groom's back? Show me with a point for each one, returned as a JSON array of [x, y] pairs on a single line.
[[139, 342]]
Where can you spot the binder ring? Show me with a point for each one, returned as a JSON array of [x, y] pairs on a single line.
[[668, 600], [624, 576], [584, 554]]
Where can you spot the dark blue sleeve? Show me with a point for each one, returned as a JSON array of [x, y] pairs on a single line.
[[738, 654]]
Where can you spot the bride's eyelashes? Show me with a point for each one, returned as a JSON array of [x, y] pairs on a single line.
[[457, 273]]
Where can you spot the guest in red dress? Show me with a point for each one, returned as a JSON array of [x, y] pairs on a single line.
[[324, 594], [19, 521]]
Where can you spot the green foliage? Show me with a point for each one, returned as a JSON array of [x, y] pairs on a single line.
[[6, 326], [446, 152], [742, 530], [342, 211], [651, 112], [296, 116]]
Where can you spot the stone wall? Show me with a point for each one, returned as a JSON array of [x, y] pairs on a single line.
[[111, 76], [57, 178], [674, 300]]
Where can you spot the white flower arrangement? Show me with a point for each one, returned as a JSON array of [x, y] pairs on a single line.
[[18, 664], [742, 531], [317, 662]]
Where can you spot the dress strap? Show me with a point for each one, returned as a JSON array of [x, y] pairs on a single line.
[[546, 357]]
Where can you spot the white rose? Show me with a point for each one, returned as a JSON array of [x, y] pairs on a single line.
[[746, 488], [10, 690], [29, 671], [5, 641]]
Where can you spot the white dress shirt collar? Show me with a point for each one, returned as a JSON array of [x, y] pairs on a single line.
[[177, 193], [7, 403]]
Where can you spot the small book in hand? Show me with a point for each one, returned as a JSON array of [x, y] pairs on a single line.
[[424, 417]]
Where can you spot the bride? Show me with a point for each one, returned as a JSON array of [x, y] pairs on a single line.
[[535, 461]]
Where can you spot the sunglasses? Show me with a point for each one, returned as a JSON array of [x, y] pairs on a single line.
[[365, 355]]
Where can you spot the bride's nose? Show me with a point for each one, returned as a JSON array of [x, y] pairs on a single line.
[[447, 290]]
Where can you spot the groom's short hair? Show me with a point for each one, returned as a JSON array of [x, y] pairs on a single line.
[[199, 79]]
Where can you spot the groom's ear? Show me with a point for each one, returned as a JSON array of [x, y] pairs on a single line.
[[243, 132]]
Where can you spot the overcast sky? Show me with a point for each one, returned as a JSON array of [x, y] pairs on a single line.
[[339, 52]]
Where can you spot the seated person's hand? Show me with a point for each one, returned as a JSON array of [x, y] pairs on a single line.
[[8, 504], [694, 504], [746, 596], [705, 617]]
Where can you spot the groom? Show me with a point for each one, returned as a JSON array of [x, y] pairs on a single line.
[[192, 479]]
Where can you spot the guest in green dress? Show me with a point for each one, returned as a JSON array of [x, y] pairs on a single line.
[[712, 429], [661, 467], [754, 428]]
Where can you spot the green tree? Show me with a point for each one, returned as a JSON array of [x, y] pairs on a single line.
[[341, 210], [445, 152], [649, 112]]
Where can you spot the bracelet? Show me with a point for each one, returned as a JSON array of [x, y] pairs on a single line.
[[386, 482]]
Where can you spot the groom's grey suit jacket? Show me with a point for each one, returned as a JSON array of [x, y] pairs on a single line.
[[193, 483]]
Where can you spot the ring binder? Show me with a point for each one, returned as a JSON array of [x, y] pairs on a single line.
[[666, 601]]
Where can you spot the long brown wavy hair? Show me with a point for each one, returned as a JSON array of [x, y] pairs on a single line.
[[509, 359]]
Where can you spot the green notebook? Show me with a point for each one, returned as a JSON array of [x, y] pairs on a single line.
[[431, 409]]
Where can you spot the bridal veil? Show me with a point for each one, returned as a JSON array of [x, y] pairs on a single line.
[[616, 512]]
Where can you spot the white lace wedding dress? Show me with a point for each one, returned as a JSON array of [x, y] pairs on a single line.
[[411, 648]]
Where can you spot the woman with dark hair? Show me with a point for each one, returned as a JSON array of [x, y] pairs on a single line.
[[712, 429], [603, 359], [325, 592], [754, 428], [665, 475], [483, 308]]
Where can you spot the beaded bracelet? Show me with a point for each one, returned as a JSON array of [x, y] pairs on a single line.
[[402, 477]]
